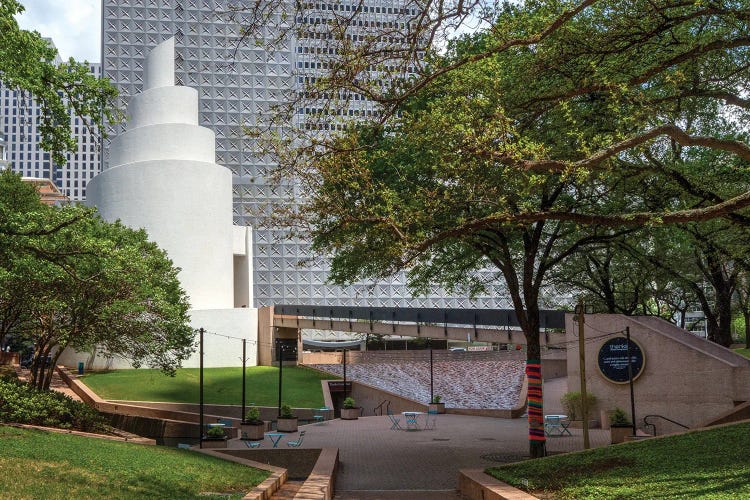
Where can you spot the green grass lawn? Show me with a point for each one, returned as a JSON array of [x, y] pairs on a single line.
[[301, 386], [707, 464], [744, 352], [37, 464]]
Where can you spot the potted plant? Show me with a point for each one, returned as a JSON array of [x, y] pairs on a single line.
[[573, 404], [620, 426], [287, 421], [436, 405], [252, 427], [215, 437], [350, 410]]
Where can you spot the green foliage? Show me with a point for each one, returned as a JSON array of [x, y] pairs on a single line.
[[301, 385], [286, 411], [619, 418], [436, 398], [27, 65], [571, 401], [7, 372], [349, 403], [703, 464], [106, 286], [24, 404], [216, 432], [109, 469], [252, 416]]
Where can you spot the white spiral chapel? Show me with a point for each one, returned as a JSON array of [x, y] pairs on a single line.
[[163, 177]]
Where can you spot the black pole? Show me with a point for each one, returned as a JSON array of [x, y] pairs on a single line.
[[630, 380], [344, 373], [281, 368], [201, 391], [432, 395], [244, 358]]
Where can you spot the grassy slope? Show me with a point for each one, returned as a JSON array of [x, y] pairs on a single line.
[[301, 386], [744, 352], [708, 464], [36, 464]]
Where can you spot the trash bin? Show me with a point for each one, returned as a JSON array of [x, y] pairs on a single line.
[[80, 368]]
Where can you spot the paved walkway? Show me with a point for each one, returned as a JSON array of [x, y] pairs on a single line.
[[376, 462]]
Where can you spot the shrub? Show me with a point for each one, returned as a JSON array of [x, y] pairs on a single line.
[[252, 416], [215, 432], [286, 411], [24, 404], [7, 372], [571, 401], [350, 403], [436, 398], [619, 418]]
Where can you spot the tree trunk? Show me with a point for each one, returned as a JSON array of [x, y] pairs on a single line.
[[535, 398], [746, 315]]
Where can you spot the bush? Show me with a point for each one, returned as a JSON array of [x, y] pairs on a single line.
[[252, 416], [350, 403], [215, 432], [436, 398], [619, 418], [7, 372], [571, 401], [23, 404], [286, 411]]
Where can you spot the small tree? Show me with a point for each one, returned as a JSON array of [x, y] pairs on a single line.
[[572, 402]]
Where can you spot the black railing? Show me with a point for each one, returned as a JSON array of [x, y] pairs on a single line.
[[380, 407], [476, 317], [646, 422]]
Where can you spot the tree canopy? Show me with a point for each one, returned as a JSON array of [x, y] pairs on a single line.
[[551, 127], [28, 65], [86, 284]]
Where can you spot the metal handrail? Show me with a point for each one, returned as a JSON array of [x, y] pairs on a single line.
[[646, 423], [380, 406]]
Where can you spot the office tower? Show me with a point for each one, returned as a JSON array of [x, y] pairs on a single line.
[[237, 85], [20, 113]]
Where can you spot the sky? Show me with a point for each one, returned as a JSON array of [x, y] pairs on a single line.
[[74, 25]]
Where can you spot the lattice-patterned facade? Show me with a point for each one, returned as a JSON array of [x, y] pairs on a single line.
[[237, 85]]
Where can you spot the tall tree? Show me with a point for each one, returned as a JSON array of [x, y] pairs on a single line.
[[88, 283], [503, 148], [27, 65]]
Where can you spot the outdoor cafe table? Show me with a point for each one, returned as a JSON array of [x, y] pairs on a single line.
[[275, 437], [412, 419]]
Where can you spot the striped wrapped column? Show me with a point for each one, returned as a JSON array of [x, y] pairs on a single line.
[[535, 408]]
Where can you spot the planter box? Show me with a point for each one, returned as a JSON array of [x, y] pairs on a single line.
[[253, 432], [214, 443], [349, 413], [438, 407], [620, 433], [286, 424]]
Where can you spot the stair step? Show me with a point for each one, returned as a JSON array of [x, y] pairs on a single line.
[[287, 490]]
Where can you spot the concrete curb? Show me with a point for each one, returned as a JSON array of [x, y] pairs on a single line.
[[134, 439], [474, 484], [266, 489], [320, 484]]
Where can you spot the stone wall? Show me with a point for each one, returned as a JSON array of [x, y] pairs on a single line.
[[685, 378]]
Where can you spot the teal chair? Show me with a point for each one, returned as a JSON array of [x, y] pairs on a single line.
[[298, 442]]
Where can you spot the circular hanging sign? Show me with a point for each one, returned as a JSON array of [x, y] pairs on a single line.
[[613, 359]]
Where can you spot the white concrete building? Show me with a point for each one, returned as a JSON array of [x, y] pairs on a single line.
[[163, 177]]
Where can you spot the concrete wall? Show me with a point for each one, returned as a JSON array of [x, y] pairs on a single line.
[[685, 378], [219, 351]]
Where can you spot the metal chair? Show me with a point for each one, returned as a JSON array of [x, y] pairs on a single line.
[[298, 442], [394, 421], [554, 425], [431, 421]]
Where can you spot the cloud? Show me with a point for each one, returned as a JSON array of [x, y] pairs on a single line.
[[74, 25]]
